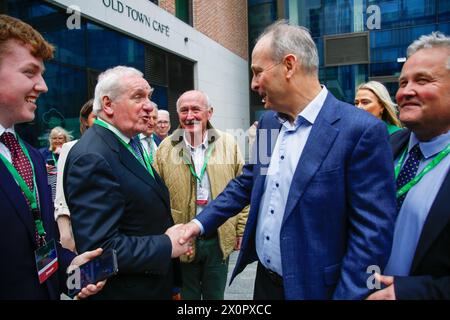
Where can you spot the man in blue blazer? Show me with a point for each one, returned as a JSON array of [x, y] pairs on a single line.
[[321, 192], [419, 265], [115, 197], [22, 52]]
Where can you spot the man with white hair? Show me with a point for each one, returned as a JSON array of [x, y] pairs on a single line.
[[419, 265], [116, 198], [163, 126]]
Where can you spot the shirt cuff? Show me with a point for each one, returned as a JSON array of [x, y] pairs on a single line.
[[199, 224]]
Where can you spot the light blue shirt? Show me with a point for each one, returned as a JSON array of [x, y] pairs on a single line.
[[285, 157], [417, 205]]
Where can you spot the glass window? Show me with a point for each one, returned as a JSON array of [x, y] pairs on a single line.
[[402, 13], [183, 10], [107, 48], [342, 80], [387, 46]]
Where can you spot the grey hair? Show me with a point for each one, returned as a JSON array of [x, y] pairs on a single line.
[[154, 105], [433, 40], [109, 84], [208, 101], [292, 39], [163, 111], [382, 94]]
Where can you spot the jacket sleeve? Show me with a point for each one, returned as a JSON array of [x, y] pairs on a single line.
[[422, 287], [98, 206]]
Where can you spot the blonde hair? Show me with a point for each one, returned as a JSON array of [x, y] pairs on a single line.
[[57, 131], [382, 94]]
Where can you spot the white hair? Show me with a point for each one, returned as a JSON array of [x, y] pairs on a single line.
[[162, 111], [109, 84], [433, 40], [208, 101], [292, 39]]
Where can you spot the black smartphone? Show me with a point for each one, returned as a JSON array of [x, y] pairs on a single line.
[[51, 162], [98, 269]]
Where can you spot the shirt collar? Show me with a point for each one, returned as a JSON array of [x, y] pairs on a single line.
[[204, 144], [432, 147], [115, 131], [309, 113], [3, 129], [143, 136]]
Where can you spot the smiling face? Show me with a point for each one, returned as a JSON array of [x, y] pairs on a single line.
[[268, 77], [21, 83], [424, 93], [194, 113], [130, 110]]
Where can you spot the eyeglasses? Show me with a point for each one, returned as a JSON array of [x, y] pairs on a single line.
[[258, 73]]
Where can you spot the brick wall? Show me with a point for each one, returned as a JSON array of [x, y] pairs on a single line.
[[168, 5], [224, 21]]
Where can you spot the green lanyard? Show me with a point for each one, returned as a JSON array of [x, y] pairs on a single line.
[[54, 159], [205, 162], [29, 194], [441, 155], [145, 163]]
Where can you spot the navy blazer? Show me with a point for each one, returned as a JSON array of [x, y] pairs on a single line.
[[115, 203], [430, 270], [339, 217], [18, 273]]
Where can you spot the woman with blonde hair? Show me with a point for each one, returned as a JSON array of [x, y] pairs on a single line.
[[374, 98]]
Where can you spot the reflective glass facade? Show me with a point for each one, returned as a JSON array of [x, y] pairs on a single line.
[[391, 26], [81, 54]]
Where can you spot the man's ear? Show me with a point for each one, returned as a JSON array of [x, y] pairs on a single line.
[[291, 63], [107, 106], [210, 112]]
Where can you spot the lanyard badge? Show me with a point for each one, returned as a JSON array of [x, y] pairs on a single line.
[[46, 258]]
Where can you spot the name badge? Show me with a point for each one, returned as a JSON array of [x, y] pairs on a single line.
[[202, 196], [46, 260]]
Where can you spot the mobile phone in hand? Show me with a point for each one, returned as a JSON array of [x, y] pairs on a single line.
[[98, 269]]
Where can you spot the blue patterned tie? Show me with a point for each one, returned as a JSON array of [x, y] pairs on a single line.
[[134, 143], [408, 172]]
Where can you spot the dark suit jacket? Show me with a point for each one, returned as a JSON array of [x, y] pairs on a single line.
[[115, 203], [340, 211], [18, 274], [430, 271]]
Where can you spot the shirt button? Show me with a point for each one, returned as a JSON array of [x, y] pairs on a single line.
[[267, 238], [282, 157], [277, 185], [271, 211], [268, 260]]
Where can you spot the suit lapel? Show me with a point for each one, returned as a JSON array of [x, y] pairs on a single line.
[[17, 199], [398, 141], [130, 162], [320, 140], [436, 220], [133, 165]]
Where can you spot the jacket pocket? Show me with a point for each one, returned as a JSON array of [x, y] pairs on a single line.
[[331, 274]]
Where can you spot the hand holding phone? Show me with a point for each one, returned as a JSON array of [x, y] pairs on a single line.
[[93, 271]]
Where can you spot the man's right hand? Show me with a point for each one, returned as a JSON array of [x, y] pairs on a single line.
[[174, 233], [191, 231]]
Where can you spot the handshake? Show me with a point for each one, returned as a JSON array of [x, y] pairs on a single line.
[[181, 236]]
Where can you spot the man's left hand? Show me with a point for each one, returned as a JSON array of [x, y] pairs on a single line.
[[90, 289], [387, 293]]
